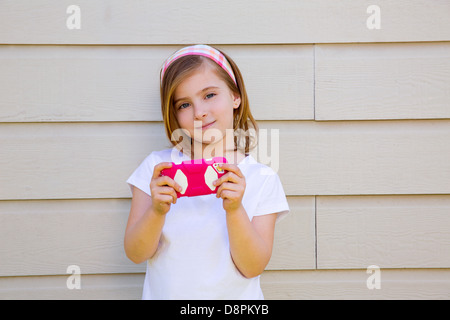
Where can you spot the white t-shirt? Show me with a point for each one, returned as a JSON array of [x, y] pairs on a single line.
[[193, 260]]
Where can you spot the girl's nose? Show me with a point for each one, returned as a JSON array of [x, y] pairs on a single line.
[[200, 112]]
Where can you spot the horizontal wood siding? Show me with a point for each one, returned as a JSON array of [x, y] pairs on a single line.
[[230, 22], [89, 234], [387, 231], [59, 160], [359, 119], [92, 287], [121, 83], [352, 284], [406, 81], [284, 285]]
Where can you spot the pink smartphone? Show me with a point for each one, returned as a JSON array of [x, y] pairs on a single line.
[[196, 176]]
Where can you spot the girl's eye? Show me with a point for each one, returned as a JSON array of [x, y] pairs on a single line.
[[184, 105], [210, 95]]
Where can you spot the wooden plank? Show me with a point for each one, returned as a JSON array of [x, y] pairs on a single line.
[[45, 237], [93, 160], [80, 83], [142, 22], [93, 287], [294, 245], [424, 284], [382, 81], [363, 157], [73, 160], [279, 79], [121, 83], [387, 231]]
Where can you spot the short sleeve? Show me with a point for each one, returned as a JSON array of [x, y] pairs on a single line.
[[142, 176], [272, 198]]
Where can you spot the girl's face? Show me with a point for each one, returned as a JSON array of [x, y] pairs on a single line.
[[204, 106]]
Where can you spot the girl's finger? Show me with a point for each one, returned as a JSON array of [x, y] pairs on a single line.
[[231, 168], [159, 167], [227, 188], [167, 191], [167, 181], [228, 177]]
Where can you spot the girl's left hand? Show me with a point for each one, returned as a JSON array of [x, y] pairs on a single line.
[[231, 187]]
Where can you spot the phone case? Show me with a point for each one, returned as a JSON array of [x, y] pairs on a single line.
[[196, 176]]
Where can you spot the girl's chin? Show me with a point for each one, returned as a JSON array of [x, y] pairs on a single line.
[[220, 144], [211, 149]]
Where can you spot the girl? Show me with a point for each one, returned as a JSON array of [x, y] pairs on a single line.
[[211, 246]]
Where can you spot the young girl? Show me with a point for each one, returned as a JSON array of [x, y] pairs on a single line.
[[212, 246]]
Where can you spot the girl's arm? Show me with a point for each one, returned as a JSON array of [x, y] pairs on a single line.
[[147, 216], [251, 242], [143, 228]]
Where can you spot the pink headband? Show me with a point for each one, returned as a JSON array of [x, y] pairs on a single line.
[[200, 50]]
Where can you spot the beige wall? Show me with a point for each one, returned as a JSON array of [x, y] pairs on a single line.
[[363, 117]]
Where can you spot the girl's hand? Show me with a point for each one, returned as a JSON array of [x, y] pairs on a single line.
[[231, 187], [163, 189]]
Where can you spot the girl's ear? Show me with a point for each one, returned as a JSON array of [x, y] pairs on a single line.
[[236, 101]]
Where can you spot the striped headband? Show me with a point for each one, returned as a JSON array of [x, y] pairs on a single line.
[[200, 50]]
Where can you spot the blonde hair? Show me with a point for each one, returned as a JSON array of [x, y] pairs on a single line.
[[244, 125]]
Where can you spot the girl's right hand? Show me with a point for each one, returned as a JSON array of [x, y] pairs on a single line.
[[163, 189]]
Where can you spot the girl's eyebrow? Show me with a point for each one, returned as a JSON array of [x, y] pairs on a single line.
[[201, 91]]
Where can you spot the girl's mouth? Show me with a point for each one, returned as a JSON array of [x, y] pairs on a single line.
[[208, 125]]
